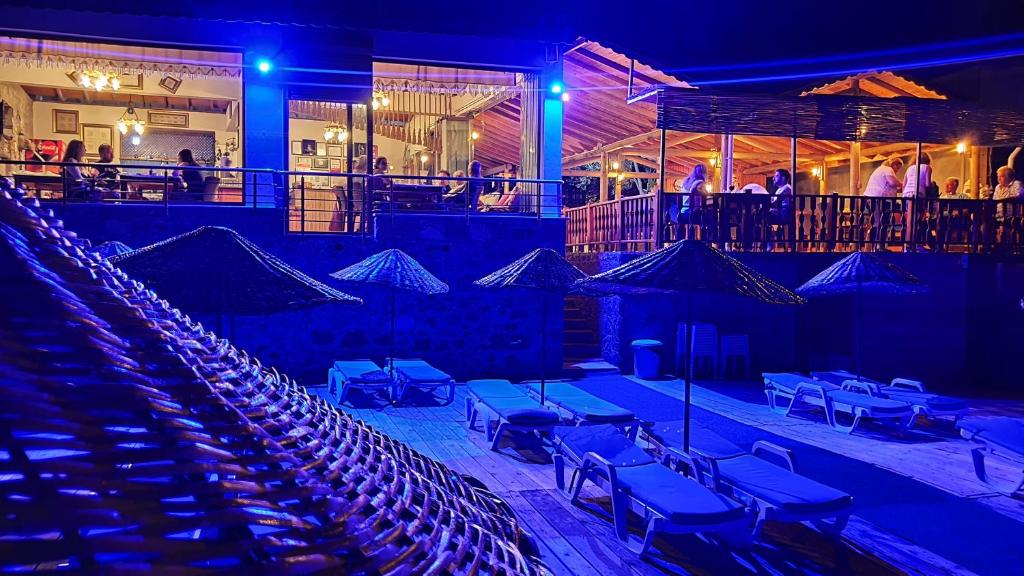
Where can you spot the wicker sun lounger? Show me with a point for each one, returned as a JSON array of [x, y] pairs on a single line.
[[926, 404], [803, 391]]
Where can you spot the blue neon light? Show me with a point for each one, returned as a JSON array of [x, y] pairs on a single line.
[[264, 66]]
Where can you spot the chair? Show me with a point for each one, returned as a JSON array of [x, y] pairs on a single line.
[[671, 503], [417, 373], [1001, 438], [771, 487], [363, 374], [583, 408], [703, 347], [731, 347], [210, 186], [514, 409], [926, 404], [801, 390]]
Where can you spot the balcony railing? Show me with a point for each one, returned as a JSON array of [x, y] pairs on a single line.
[[313, 202], [747, 222]]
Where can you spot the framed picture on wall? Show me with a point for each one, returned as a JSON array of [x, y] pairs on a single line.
[[130, 81], [321, 148], [297, 147], [309, 147], [165, 118], [303, 163], [321, 163], [95, 135], [335, 150], [170, 83], [360, 150], [335, 165], [65, 121]]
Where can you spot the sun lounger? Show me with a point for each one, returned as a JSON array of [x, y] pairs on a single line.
[[670, 502], [416, 373], [912, 392], [583, 408], [513, 407], [1001, 438], [363, 374], [800, 390], [775, 490]]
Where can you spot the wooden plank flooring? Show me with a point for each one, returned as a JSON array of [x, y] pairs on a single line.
[[580, 540]]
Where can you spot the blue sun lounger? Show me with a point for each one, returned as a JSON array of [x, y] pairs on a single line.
[[800, 390], [670, 502], [775, 490], [924, 403], [417, 373], [1001, 438], [363, 374], [514, 409], [583, 408]]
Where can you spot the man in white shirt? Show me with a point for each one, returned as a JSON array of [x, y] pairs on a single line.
[[1009, 188], [883, 182], [951, 190]]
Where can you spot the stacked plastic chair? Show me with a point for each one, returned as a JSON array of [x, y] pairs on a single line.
[[132, 440]]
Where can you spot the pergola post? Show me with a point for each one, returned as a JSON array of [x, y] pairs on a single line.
[[727, 160], [975, 177], [854, 168], [659, 216], [603, 195]]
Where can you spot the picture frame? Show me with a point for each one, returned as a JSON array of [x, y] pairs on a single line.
[[296, 147], [303, 163], [321, 148], [65, 121], [321, 163], [334, 165], [130, 81], [170, 83], [94, 135], [335, 150], [168, 118], [309, 147]]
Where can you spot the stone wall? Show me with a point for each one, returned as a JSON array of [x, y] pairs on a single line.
[[960, 337], [470, 332], [16, 98]]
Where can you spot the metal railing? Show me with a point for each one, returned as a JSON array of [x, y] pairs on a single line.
[[313, 201], [745, 222]]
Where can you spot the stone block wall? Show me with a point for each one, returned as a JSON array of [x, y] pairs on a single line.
[[470, 332]]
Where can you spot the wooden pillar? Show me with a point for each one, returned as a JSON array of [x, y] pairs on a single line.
[[603, 196], [792, 164], [727, 162], [854, 168], [659, 216], [823, 181], [975, 174]]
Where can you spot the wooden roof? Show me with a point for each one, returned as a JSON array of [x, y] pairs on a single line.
[[123, 99], [882, 84]]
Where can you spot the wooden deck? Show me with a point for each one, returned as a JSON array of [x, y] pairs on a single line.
[[579, 539]]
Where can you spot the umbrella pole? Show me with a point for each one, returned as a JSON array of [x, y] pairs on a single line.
[[391, 361], [543, 342], [860, 329], [688, 371]]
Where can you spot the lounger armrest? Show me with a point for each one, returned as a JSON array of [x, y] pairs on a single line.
[[703, 468], [593, 459], [908, 383], [869, 388], [810, 386], [786, 455]]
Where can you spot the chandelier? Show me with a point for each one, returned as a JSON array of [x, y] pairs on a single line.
[[380, 100], [335, 130], [99, 81], [130, 121]]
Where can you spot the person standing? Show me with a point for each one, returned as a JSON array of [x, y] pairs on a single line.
[[914, 183], [883, 182]]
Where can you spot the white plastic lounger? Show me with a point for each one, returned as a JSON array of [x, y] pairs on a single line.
[[924, 403], [765, 479], [1001, 438], [583, 408], [669, 502], [800, 391], [363, 374], [416, 373], [513, 408]]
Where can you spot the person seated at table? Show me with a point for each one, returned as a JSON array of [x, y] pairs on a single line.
[[476, 185], [456, 194], [1008, 188], [951, 190], [883, 182], [77, 182], [189, 179], [380, 183], [106, 176], [442, 181]]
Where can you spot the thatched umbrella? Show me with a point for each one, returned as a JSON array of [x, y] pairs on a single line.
[[858, 274], [112, 248], [398, 271], [688, 267], [215, 270], [544, 270]]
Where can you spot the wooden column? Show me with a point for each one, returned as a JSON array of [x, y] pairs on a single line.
[[727, 162], [603, 196], [975, 175], [854, 168], [823, 181]]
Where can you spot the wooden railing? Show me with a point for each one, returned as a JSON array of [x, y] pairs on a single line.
[[807, 223]]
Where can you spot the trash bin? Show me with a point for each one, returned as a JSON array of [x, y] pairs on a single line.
[[646, 360]]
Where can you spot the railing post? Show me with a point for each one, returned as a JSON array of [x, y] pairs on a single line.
[[833, 226], [302, 204], [167, 199]]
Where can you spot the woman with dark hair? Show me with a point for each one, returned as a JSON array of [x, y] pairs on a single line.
[[190, 179], [75, 184], [476, 185]]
